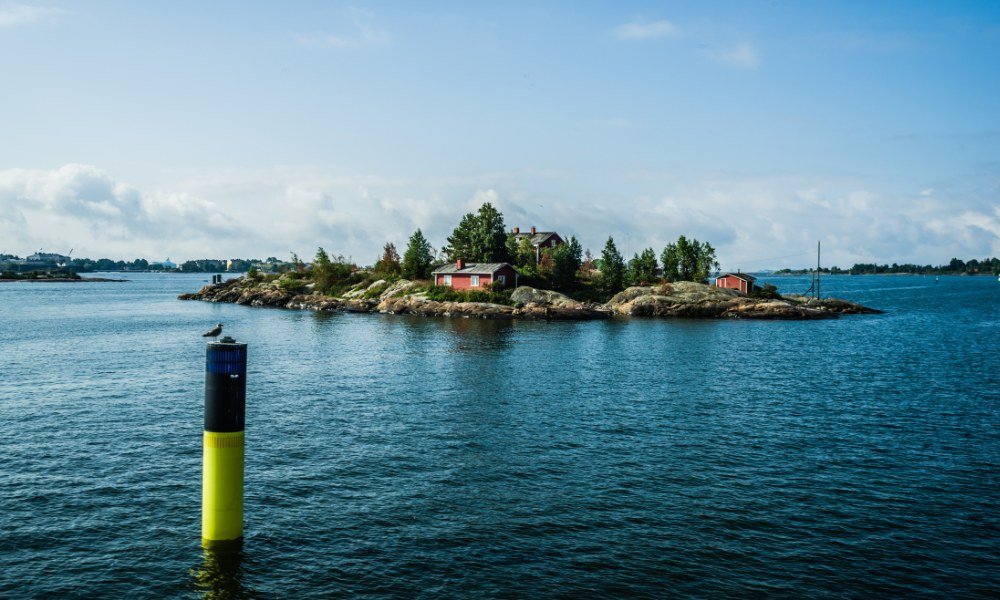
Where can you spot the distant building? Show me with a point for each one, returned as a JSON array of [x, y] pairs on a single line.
[[165, 264], [471, 276], [539, 240], [48, 258], [736, 281]]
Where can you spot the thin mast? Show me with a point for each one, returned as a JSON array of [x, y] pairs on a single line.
[[817, 270]]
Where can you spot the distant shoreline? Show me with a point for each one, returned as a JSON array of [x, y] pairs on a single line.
[[65, 280], [824, 274]]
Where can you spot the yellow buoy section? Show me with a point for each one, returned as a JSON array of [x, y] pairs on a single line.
[[225, 421], [222, 488]]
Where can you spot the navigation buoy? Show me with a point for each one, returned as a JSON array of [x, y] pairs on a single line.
[[222, 467]]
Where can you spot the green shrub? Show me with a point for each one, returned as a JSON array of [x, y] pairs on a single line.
[[290, 282], [441, 293], [765, 292]]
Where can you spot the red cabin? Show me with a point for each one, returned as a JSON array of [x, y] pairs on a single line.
[[539, 240], [736, 281], [475, 276]]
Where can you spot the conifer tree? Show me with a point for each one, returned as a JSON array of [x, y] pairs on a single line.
[[566, 260], [417, 259], [612, 268], [479, 237], [688, 260], [322, 271], [642, 268]]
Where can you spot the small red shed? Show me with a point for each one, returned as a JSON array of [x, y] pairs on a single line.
[[474, 276], [736, 281]]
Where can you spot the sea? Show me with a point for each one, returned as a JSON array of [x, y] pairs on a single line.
[[408, 457]]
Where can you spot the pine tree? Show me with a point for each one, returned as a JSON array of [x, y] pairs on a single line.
[[566, 261], [479, 237], [688, 260], [322, 271], [612, 268], [642, 268], [417, 259]]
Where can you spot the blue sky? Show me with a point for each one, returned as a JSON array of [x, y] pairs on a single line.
[[252, 129]]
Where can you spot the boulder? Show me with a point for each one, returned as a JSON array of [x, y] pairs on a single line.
[[525, 295]]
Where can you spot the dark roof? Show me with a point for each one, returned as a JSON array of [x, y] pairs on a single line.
[[536, 238], [743, 276], [470, 268]]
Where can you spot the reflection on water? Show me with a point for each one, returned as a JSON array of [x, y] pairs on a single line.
[[221, 574]]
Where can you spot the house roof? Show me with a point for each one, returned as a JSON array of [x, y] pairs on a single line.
[[536, 238], [743, 276], [470, 269]]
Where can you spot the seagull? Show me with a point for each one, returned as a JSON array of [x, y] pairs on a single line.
[[213, 332]]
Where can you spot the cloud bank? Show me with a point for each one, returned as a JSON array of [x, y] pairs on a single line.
[[640, 30], [13, 14], [740, 56], [754, 223]]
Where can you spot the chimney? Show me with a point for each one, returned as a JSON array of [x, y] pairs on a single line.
[[517, 230], [460, 264], [532, 230]]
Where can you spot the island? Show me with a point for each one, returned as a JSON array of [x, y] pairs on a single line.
[[683, 299]]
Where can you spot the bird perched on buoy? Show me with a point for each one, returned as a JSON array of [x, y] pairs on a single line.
[[213, 332]]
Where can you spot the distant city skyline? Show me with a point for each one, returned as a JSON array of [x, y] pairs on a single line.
[[252, 130]]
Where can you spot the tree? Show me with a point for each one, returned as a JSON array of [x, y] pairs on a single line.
[[521, 251], [642, 268], [322, 271], [566, 261], [589, 264], [612, 268], [479, 237], [418, 257], [300, 267], [389, 263], [688, 260]]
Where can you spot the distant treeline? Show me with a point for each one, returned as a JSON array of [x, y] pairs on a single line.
[[987, 266], [12, 263]]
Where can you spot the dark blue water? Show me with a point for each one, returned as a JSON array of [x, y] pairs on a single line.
[[395, 456]]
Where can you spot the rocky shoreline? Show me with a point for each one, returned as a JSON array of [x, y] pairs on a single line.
[[670, 300]]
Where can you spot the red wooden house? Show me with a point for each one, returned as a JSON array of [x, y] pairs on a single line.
[[539, 240], [736, 281], [474, 276]]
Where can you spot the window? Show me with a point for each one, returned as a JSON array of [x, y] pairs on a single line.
[[474, 280], [502, 279], [447, 279]]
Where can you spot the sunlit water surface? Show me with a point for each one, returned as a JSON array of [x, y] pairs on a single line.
[[416, 457]]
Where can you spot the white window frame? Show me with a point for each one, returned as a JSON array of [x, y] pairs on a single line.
[[447, 280], [473, 280], [502, 279]]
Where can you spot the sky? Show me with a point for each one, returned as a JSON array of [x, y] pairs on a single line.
[[253, 129]]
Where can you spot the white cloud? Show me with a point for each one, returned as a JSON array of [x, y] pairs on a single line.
[[84, 207], [13, 14], [741, 56], [359, 35], [638, 30], [754, 223], [971, 228]]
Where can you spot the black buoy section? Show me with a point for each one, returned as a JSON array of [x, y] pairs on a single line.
[[225, 419]]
